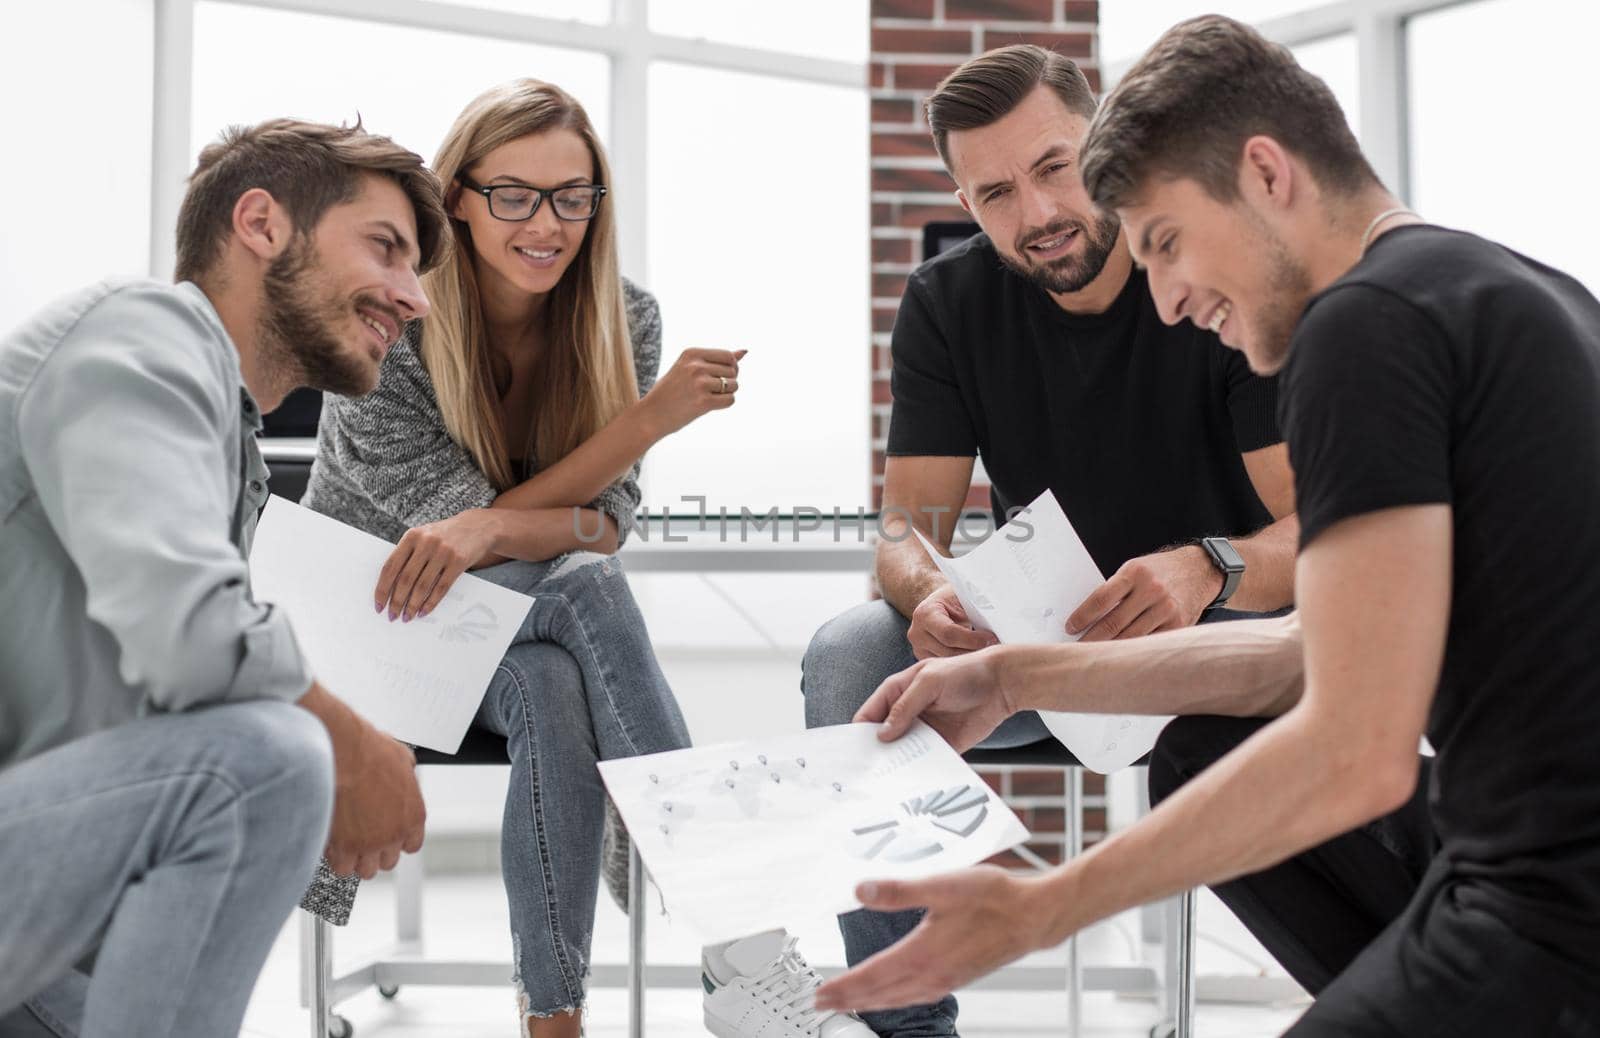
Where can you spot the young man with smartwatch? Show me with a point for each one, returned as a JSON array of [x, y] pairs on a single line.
[[1036, 346]]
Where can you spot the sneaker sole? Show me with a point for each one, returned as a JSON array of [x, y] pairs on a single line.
[[719, 1027]]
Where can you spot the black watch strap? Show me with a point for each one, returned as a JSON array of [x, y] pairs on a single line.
[[1226, 558]]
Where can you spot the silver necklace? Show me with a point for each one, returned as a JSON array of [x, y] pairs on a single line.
[[1366, 237]]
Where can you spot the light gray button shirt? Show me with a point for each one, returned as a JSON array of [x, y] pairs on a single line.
[[130, 482]]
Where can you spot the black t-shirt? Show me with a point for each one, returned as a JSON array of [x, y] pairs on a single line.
[[1136, 426], [1446, 369]]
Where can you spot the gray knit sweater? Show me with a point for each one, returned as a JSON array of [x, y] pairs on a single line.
[[386, 463]]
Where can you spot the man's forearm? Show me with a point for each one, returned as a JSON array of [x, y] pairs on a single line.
[[905, 574], [1268, 554], [344, 729], [1248, 668], [1296, 783]]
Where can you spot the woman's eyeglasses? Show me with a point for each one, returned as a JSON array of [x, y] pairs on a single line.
[[518, 202]]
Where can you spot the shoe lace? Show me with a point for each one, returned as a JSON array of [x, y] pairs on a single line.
[[789, 982]]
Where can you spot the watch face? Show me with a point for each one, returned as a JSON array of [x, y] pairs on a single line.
[[1224, 554]]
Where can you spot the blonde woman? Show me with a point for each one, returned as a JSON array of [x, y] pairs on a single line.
[[505, 437]]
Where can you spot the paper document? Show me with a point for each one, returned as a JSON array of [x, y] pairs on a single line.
[[420, 682], [748, 836], [1022, 584]]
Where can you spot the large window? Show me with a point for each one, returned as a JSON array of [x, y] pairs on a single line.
[[1128, 28], [835, 29], [76, 122], [593, 12], [1333, 60], [1500, 126], [406, 83], [757, 231]]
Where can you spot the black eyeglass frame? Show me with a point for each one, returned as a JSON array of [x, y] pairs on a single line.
[[540, 193]]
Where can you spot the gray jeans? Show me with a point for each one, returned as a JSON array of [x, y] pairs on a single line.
[[169, 851], [580, 684], [849, 657]]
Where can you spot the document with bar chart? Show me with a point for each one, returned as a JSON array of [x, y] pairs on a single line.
[[748, 836]]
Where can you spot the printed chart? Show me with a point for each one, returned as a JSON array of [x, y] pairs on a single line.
[[745, 837]]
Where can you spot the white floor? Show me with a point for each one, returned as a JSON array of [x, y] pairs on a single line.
[[464, 917]]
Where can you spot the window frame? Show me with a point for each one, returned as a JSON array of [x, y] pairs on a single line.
[[626, 40]]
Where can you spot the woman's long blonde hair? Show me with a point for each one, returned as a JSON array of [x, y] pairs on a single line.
[[586, 366]]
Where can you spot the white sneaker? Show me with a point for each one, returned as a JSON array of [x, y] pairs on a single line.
[[761, 987]]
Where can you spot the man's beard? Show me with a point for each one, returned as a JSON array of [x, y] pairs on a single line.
[[299, 330], [1068, 273]]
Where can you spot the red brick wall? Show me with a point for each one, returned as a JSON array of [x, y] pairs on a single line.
[[915, 43]]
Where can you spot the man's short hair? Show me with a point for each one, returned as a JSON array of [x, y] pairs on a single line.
[[985, 90], [1186, 108], [308, 168]]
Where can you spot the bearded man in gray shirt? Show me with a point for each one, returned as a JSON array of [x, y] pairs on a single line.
[[166, 780]]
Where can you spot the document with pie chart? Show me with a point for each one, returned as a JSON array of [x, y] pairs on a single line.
[[744, 837], [1022, 584]]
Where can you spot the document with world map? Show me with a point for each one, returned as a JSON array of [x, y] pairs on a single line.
[[744, 837]]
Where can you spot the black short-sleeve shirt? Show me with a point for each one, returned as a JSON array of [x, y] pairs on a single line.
[[1447, 369], [1136, 426]]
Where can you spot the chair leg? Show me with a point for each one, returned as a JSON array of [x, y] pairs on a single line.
[[636, 914], [1074, 834], [408, 878], [321, 976], [1184, 1014]]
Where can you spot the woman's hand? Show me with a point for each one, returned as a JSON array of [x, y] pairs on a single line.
[[425, 564], [698, 382]]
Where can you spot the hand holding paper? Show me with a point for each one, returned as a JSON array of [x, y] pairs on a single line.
[[420, 682], [1022, 584], [940, 626], [1157, 592]]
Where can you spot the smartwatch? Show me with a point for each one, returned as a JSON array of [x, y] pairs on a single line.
[[1229, 563]]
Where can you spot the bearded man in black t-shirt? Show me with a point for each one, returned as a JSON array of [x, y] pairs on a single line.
[[1441, 402], [1036, 346]]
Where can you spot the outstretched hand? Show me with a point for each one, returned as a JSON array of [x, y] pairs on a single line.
[[977, 921]]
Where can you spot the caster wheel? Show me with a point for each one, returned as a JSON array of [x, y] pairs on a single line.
[[388, 990], [339, 1027], [1163, 1031]]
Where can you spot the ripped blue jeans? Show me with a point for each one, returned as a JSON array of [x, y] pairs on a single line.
[[580, 684]]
